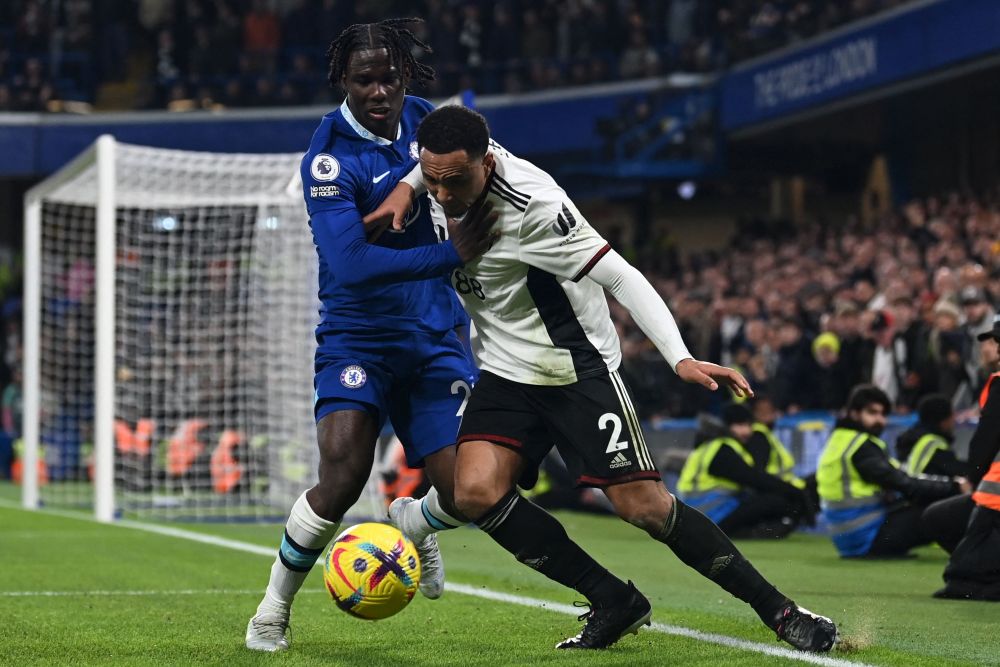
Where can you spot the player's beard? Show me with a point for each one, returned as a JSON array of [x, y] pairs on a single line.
[[457, 213], [475, 203]]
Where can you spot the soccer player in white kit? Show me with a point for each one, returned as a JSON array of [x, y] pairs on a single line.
[[549, 357]]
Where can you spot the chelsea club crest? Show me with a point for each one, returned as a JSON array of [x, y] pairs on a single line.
[[414, 152], [353, 377]]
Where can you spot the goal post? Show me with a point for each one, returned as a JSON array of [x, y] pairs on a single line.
[[170, 307], [105, 242]]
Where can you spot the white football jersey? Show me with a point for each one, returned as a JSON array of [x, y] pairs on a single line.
[[539, 320]]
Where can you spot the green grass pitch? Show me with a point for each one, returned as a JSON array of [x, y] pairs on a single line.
[[126, 596]]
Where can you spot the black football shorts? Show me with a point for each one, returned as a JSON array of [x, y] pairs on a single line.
[[591, 422]]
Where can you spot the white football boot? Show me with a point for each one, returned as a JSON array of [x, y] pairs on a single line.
[[268, 631], [431, 564]]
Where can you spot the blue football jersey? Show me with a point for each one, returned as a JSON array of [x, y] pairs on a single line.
[[400, 282]]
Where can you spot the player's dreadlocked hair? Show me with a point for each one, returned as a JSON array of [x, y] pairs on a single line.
[[389, 34]]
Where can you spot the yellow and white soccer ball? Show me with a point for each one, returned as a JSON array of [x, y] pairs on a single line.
[[372, 571]]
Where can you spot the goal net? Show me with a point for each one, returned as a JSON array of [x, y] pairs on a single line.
[[169, 313]]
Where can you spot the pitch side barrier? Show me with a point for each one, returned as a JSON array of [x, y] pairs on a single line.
[[804, 434], [909, 47]]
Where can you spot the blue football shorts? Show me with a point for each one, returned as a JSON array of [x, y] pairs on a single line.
[[419, 382]]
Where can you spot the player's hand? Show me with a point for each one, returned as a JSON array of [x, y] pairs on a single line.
[[392, 211], [710, 375], [474, 235], [964, 484]]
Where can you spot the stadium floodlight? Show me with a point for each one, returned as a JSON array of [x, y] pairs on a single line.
[[170, 302]]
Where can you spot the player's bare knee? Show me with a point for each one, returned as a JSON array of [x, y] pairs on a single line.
[[448, 504], [338, 489], [643, 506], [647, 519], [329, 503], [474, 500]]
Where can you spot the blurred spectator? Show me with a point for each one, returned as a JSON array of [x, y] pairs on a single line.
[[33, 28], [888, 361], [639, 59], [792, 387], [535, 39], [979, 314], [261, 36], [11, 403], [31, 87], [831, 386]]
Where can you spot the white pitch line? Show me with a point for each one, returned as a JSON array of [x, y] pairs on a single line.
[[83, 594], [487, 594], [709, 637]]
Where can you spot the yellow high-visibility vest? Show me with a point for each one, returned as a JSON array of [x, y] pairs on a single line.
[[780, 461], [695, 477], [923, 452], [839, 483]]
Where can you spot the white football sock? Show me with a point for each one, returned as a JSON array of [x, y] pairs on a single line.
[[425, 517], [306, 535]]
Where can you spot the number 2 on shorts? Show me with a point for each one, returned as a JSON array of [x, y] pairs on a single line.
[[463, 386], [614, 445]]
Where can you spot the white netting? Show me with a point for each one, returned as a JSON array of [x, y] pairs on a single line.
[[215, 307]]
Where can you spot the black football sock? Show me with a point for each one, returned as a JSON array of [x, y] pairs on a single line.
[[702, 545], [540, 542]]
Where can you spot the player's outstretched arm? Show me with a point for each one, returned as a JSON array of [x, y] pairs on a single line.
[[396, 206], [710, 375], [634, 292], [340, 237], [392, 211]]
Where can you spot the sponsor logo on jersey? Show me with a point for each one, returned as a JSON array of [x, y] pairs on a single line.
[[353, 377], [414, 150], [565, 222], [319, 191], [324, 167], [378, 179], [620, 461]]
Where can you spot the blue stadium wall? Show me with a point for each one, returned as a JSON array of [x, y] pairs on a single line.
[[914, 42], [33, 145]]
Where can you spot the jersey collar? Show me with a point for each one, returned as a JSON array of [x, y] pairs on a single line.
[[362, 132]]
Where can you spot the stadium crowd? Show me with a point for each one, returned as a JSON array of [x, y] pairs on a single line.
[[190, 54], [809, 312], [805, 313]]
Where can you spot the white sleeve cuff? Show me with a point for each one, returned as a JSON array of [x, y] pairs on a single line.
[[415, 179], [633, 291]]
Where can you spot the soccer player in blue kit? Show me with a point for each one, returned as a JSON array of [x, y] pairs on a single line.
[[387, 341]]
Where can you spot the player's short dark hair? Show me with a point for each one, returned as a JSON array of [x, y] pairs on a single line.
[[867, 394], [934, 409], [389, 34], [454, 128]]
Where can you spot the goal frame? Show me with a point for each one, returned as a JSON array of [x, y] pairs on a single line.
[[101, 153]]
